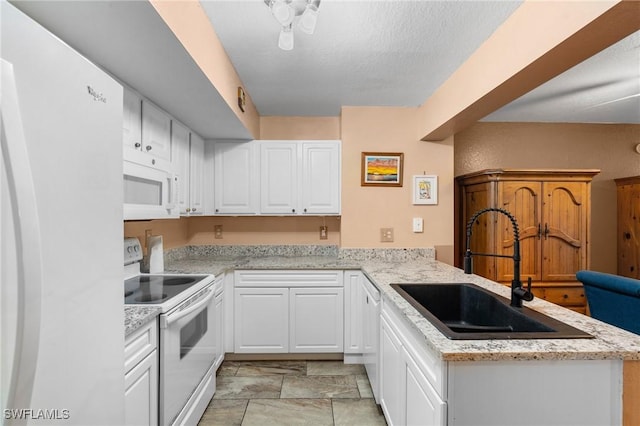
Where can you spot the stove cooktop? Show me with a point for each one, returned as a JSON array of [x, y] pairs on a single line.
[[157, 289]]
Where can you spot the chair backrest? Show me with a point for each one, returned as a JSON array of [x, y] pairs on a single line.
[[613, 299]]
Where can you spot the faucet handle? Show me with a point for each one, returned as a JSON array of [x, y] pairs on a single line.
[[528, 296]]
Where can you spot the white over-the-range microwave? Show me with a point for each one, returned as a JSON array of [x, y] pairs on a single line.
[[149, 193]]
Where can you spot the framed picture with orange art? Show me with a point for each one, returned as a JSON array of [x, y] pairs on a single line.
[[382, 169]]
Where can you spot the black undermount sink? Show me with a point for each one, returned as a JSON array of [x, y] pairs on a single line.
[[468, 312]]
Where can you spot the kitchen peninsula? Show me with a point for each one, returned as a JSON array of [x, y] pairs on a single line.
[[568, 380]]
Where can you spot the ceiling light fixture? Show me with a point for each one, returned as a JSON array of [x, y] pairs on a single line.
[[303, 12]]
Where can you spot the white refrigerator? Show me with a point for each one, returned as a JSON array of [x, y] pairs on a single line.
[[61, 299]]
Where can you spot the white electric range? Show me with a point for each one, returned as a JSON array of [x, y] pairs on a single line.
[[187, 335]]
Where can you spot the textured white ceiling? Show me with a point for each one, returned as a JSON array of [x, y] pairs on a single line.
[[385, 53], [397, 52]]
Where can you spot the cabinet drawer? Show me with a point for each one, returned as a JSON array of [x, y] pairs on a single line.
[[563, 296], [288, 278], [140, 344]]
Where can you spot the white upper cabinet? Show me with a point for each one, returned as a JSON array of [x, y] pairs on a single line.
[[279, 184], [156, 131], [299, 177], [180, 155], [131, 122], [187, 153], [196, 175], [146, 132], [321, 177], [236, 171]]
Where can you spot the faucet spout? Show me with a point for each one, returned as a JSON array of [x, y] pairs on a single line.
[[518, 293]]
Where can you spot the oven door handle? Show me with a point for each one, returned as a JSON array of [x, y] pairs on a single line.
[[171, 318]]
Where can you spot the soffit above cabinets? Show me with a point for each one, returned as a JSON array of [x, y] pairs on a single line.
[[131, 41]]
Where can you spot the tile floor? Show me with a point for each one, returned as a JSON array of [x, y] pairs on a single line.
[[292, 393]]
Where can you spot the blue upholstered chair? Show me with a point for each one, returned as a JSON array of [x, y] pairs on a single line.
[[613, 299]]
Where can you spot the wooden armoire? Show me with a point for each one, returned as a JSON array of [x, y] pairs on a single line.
[[629, 226], [552, 208]]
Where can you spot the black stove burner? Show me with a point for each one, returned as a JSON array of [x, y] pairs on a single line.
[[156, 289], [148, 298]]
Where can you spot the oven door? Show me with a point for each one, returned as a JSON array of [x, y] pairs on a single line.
[[149, 193], [187, 342]]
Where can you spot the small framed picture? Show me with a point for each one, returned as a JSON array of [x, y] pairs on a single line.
[[382, 169], [425, 189]]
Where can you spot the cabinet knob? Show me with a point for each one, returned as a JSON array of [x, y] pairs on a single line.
[[217, 210], [293, 210], [305, 210], [137, 145], [193, 209], [188, 209], [148, 147], [627, 235], [153, 161]]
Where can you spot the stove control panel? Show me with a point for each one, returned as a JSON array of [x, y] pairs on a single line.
[[132, 251]]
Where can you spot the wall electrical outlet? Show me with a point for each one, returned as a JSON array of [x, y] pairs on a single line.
[[386, 235], [218, 231], [323, 232]]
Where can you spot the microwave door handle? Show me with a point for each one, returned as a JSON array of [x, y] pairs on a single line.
[[172, 180], [171, 318], [26, 225]]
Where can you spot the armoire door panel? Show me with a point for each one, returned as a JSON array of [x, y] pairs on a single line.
[[564, 231], [523, 201], [477, 198]]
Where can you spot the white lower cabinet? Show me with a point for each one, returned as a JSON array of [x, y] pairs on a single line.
[[407, 396], [423, 405], [261, 320], [218, 310], [316, 319], [288, 311], [141, 376]]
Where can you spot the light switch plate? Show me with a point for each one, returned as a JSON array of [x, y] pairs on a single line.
[[323, 232], [218, 231], [417, 224]]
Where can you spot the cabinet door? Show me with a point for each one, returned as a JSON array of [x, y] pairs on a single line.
[[564, 241], [629, 230], [180, 162], [523, 201], [141, 392], [353, 331], [321, 177], [236, 178], [423, 405], [156, 132], [371, 334], [278, 177], [196, 175], [392, 375], [261, 320], [219, 332], [476, 198], [131, 123], [316, 319]]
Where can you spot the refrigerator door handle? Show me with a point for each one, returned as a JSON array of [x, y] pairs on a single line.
[[26, 225]]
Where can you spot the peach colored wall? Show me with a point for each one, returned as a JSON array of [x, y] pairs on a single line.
[[292, 128], [367, 209], [192, 27], [608, 147], [174, 231], [263, 230]]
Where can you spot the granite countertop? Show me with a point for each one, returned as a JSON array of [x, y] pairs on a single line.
[[137, 316], [384, 267]]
